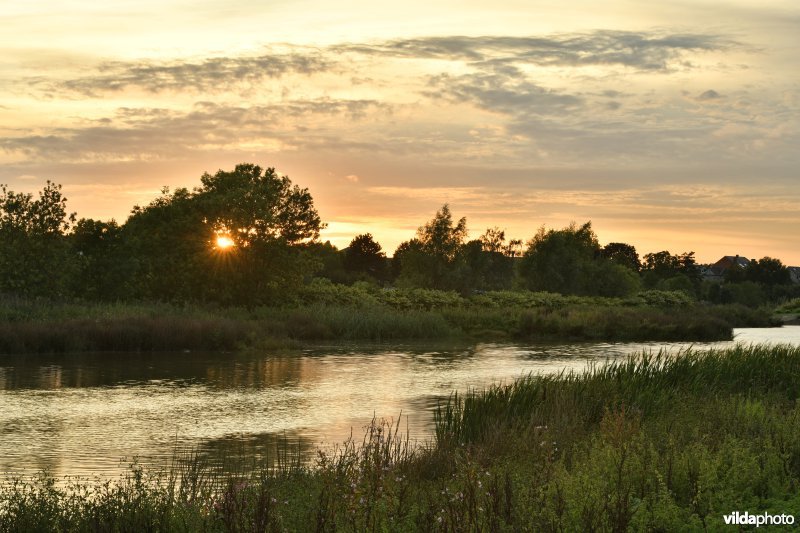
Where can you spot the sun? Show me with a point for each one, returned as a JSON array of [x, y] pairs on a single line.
[[224, 242]]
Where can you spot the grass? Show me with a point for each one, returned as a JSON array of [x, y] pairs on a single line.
[[652, 443], [42, 326]]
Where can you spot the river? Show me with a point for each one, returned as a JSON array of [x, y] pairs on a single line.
[[90, 414]]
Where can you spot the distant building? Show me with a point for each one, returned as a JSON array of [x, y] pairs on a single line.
[[794, 274], [716, 272]]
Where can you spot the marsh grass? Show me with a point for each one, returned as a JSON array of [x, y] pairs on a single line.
[[41, 326], [656, 442]]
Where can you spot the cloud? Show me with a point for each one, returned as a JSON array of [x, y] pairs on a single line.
[[152, 133], [211, 75], [639, 50], [710, 94], [504, 90]]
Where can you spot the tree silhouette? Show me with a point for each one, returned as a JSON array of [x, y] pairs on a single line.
[[364, 255], [34, 253]]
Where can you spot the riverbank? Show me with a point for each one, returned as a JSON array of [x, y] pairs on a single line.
[[650, 443], [41, 326]]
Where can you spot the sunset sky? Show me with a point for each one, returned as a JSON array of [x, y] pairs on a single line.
[[670, 125]]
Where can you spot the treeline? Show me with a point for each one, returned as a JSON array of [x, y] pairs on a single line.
[[251, 237]]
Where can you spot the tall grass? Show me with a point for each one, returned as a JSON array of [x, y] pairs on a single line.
[[51, 327], [646, 382]]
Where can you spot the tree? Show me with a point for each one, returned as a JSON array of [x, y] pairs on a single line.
[[104, 270], [330, 262], [411, 266], [491, 260], [34, 254], [665, 271], [430, 261], [767, 271], [268, 220], [622, 254], [556, 260], [257, 206], [440, 238], [568, 261], [365, 256]]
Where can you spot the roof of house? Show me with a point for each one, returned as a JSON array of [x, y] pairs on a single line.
[[727, 262]]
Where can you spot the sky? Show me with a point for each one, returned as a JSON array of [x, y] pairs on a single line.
[[669, 125]]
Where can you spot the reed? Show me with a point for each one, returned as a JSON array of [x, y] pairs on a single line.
[[41, 326]]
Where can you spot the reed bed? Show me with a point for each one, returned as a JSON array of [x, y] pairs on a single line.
[[45, 327]]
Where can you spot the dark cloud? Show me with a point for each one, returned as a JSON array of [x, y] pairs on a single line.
[[504, 90], [638, 50], [211, 75], [644, 51], [144, 134], [710, 94]]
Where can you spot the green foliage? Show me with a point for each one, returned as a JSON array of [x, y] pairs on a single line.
[[35, 258], [792, 306], [430, 260], [329, 261], [570, 261], [556, 260], [611, 279], [257, 206], [767, 272], [668, 272], [658, 298], [622, 254], [173, 239], [104, 270], [364, 256]]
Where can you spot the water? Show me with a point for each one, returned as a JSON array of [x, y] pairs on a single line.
[[83, 414]]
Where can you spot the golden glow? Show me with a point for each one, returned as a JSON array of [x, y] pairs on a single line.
[[224, 242]]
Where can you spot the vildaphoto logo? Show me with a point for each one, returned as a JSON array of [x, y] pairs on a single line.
[[765, 519]]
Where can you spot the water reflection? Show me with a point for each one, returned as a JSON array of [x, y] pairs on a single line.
[[81, 414]]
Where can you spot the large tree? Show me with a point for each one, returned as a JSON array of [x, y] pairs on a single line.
[[34, 254], [430, 260], [666, 271], [104, 269], [364, 256], [767, 271], [568, 261], [239, 238], [622, 254]]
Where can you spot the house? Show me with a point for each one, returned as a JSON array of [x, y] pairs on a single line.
[[794, 274], [716, 272]]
